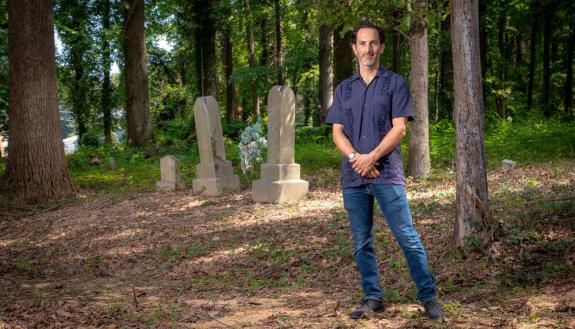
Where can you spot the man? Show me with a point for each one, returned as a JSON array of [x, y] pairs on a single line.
[[369, 116]]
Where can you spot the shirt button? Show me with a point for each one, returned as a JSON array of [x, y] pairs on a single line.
[[363, 137]]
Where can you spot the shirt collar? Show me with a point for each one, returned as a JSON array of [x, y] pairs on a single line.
[[380, 73]]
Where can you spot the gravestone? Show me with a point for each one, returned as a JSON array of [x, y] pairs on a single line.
[[170, 174], [280, 175], [112, 164], [214, 174]]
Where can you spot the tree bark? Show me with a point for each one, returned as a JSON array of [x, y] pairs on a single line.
[[568, 100], [472, 218], [107, 64], [419, 159], [136, 75], [343, 65], [78, 47], [446, 70], [396, 43], [231, 108], [252, 59], [279, 50], [325, 70], [205, 46], [36, 169], [483, 38], [499, 103]]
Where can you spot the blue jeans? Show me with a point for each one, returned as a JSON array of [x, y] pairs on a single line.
[[392, 200]]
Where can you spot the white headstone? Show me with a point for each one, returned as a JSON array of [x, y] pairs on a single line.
[[214, 174], [280, 176], [170, 174]]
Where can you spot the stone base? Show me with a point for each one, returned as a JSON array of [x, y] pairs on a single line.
[[216, 186], [291, 190], [165, 185]]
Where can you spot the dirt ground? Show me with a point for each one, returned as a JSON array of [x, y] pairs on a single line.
[[180, 260]]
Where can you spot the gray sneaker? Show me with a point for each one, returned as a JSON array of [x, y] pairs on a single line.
[[368, 305], [432, 309]]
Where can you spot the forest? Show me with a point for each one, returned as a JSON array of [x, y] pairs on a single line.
[[93, 93]]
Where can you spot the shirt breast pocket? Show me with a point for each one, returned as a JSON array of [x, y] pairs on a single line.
[[348, 122], [382, 113]]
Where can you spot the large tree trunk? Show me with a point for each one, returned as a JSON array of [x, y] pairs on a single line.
[[446, 70], [205, 46], [136, 72], [252, 60], [342, 56], [279, 51], [325, 70], [228, 60], [106, 64], [545, 102], [472, 216], [419, 161], [36, 169], [568, 101]]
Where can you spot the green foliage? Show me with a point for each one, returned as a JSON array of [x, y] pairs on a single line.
[[525, 141]]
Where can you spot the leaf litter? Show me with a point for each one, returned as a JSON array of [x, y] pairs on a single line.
[[181, 260]]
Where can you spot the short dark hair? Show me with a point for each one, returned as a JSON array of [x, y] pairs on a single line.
[[379, 30]]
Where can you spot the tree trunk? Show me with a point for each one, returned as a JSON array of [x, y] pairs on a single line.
[[252, 60], [136, 74], [472, 218], [205, 46], [501, 25], [107, 63], [568, 101], [483, 38], [547, 62], [279, 54], [532, 59], [419, 160], [342, 56], [518, 48], [79, 106], [325, 71], [396, 43], [446, 71], [264, 56], [231, 108], [36, 169]]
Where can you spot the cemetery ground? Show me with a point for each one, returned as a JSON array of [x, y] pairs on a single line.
[[121, 255]]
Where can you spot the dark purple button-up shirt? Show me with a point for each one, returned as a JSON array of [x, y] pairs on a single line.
[[366, 111]]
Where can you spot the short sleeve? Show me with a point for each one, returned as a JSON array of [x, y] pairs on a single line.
[[335, 113], [401, 103]]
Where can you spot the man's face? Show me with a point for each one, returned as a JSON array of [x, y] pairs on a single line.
[[367, 47]]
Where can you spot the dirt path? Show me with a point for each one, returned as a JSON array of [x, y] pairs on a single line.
[[179, 260]]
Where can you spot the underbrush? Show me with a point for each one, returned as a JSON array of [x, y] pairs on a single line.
[[529, 141], [525, 142]]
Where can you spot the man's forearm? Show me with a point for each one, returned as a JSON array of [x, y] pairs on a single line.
[[388, 143], [341, 141]]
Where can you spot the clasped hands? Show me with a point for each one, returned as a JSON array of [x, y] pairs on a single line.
[[364, 165]]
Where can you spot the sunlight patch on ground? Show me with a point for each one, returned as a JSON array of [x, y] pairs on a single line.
[[213, 257], [435, 194], [129, 233]]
